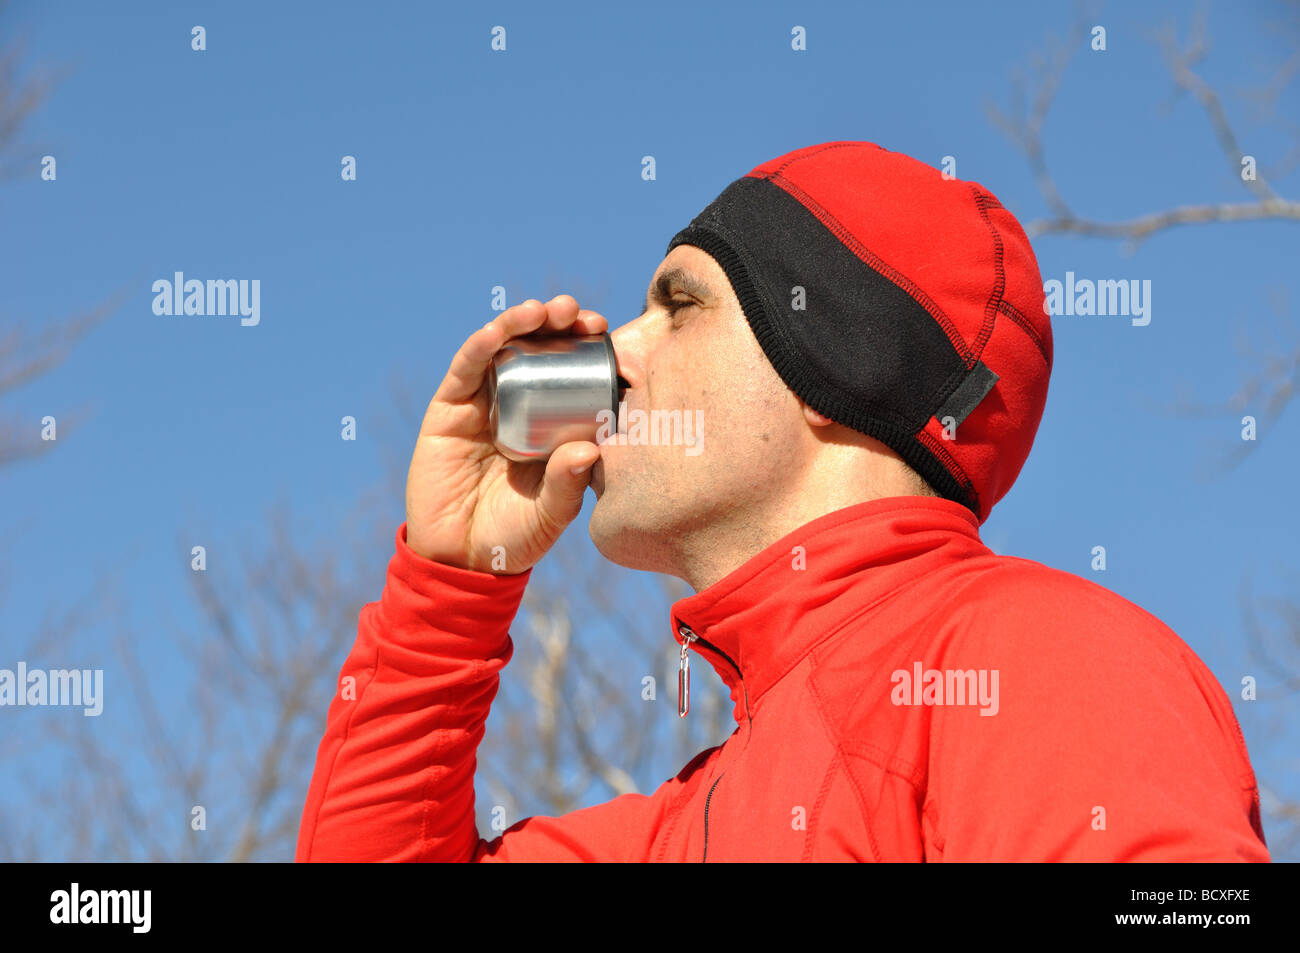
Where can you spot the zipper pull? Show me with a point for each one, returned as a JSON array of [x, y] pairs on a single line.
[[684, 672]]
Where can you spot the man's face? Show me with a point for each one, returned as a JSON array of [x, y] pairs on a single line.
[[692, 351]]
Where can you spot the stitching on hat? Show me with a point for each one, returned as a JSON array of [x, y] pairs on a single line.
[[983, 202], [950, 464], [816, 152], [875, 263], [1012, 312]]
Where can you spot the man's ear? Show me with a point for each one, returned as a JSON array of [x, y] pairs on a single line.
[[814, 418]]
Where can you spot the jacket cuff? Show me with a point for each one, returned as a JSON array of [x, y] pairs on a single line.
[[422, 597]]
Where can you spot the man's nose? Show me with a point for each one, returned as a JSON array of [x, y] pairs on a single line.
[[629, 345]]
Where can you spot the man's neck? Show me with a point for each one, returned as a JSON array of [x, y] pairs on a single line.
[[730, 540]]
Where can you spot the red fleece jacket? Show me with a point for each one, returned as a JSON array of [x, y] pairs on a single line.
[[901, 693]]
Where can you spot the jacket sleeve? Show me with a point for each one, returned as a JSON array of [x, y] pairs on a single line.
[[1111, 740], [394, 775]]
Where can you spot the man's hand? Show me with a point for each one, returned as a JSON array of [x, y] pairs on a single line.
[[463, 498]]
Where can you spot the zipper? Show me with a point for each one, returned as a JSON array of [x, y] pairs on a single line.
[[684, 668], [684, 703], [705, 858], [684, 672]]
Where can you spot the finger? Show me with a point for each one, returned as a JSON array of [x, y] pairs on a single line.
[[562, 488], [560, 314], [465, 375], [524, 318], [589, 322]]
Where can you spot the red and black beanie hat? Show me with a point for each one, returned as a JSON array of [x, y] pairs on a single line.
[[897, 302]]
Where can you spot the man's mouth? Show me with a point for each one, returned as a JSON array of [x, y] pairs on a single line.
[[619, 411]]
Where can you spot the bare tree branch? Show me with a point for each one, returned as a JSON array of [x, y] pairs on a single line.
[[1023, 124]]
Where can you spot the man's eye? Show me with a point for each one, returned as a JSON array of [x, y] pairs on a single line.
[[674, 306]]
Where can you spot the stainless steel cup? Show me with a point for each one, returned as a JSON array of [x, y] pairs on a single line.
[[546, 391]]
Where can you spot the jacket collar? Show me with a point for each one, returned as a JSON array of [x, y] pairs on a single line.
[[760, 620]]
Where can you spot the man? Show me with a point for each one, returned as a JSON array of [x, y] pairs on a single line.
[[868, 343]]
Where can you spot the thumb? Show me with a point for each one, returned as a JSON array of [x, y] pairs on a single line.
[[562, 488]]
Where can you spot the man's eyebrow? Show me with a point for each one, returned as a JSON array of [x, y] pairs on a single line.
[[662, 289]]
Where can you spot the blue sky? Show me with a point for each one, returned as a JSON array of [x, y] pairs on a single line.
[[522, 169]]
